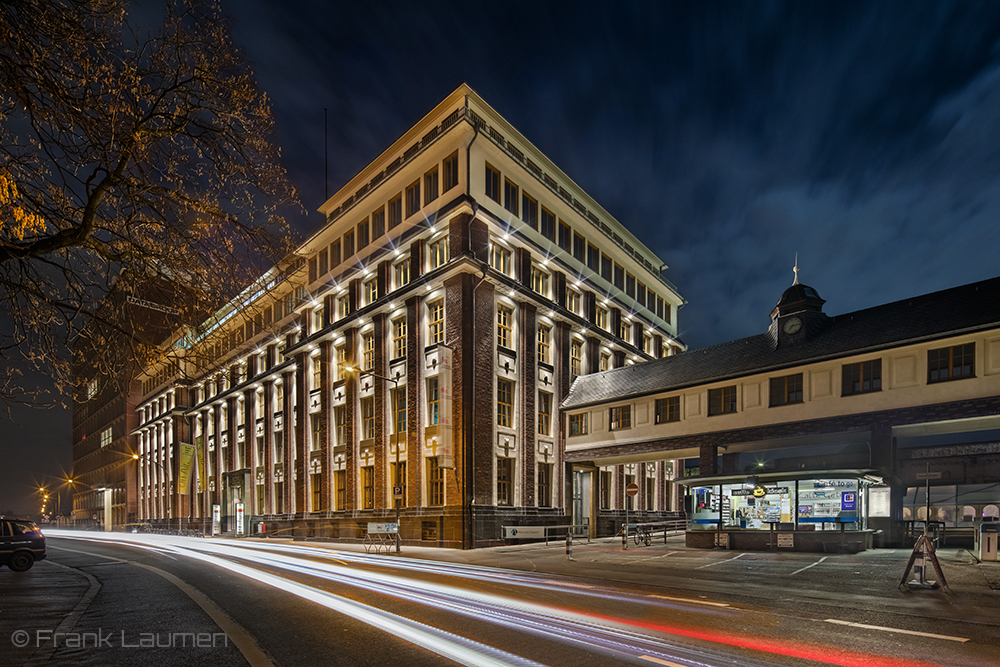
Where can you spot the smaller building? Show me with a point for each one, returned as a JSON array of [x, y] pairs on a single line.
[[821, 424]]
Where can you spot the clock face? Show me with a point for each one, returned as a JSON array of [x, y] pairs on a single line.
[[791, 325]]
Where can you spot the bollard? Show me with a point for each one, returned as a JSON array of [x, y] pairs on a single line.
[[569, 545], [625, 536]]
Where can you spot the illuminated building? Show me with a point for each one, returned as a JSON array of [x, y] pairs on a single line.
[[458, 285], [821, 422]]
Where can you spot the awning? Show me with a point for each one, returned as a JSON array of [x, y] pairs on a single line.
[[867, 476]]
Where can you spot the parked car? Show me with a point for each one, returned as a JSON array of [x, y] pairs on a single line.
[[21, 544]]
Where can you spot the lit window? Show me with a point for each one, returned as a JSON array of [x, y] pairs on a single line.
[[605, 361], [435, 479], [105, 437], [504, 316], [368, 418], [573, 301], [368, 345], [399, 338], [602, 318], [368, 487], [505, 402], [433, 402], [92, 389], [544, 344], [371, 291], [576, 358], [540, 281], [438, 251], [341, 356], [500, 258], [401, 273], [625, 330], [317, 372], [399, 407], [436, 321], [343, 306]]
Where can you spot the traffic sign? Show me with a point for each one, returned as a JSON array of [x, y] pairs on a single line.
[[632, 489], [397, 493], [929, 475]]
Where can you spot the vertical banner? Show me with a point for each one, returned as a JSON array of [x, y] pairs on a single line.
[[199, 444], [446, 450], [184, 475], [216, 519], [239, 519]]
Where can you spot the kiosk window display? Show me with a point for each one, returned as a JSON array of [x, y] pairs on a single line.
[[810, 504]]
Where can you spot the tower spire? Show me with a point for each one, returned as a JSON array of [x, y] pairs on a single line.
[[795, 269]]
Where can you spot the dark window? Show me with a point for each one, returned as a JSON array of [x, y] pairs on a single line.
[[619, 277], [510, 196], [951, 363], [786, 390], [395, 211], [593, 258], [368, 487], [435, 478], [493, 183], [505, 481], [579, 248], [630, 285], [323, 266], [640, 293], [565, 236], [668, 409], [335, 253], [451, 171], [862, 377], [348, 244], [378, 223], [363, 237], [529, 210], [605, 489], [721, 401], [545, 485], [548, 228], [412, 198], [312, 269], [431, 185], [606, 265]]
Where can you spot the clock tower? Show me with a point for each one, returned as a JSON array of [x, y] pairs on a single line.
[[798, 315]]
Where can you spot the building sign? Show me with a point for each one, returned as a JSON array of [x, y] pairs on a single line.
[[524, 532], [216, 519], [446, 447], [760, 491], [239, 518], [383, 528], [184, 474]]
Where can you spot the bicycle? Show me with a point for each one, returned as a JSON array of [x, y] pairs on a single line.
[[642, 534]]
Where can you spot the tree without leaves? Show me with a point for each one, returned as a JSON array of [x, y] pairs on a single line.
[[128, 163]]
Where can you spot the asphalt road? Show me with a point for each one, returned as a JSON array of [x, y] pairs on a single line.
[[154, 600]]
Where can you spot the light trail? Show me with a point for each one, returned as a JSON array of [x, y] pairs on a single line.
[[616, 637]]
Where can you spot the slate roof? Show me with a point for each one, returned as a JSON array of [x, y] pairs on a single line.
[[950, 312]]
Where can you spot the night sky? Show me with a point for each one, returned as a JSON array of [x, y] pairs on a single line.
[[726, 136]]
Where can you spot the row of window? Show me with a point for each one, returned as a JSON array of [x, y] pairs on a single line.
[[943, 364], [387, 217], [540, 218]]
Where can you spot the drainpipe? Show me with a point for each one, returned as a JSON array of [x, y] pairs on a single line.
[[470, 489]]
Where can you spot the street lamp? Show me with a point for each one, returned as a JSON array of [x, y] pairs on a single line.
[[395, 434]]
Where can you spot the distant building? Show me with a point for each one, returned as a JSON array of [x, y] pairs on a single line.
[[819, 422], [416, 348]]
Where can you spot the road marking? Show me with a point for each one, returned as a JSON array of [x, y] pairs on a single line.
[[714, 604], [41, 655], [809, 566], [661, 661], [905, 632], [719, 561]]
